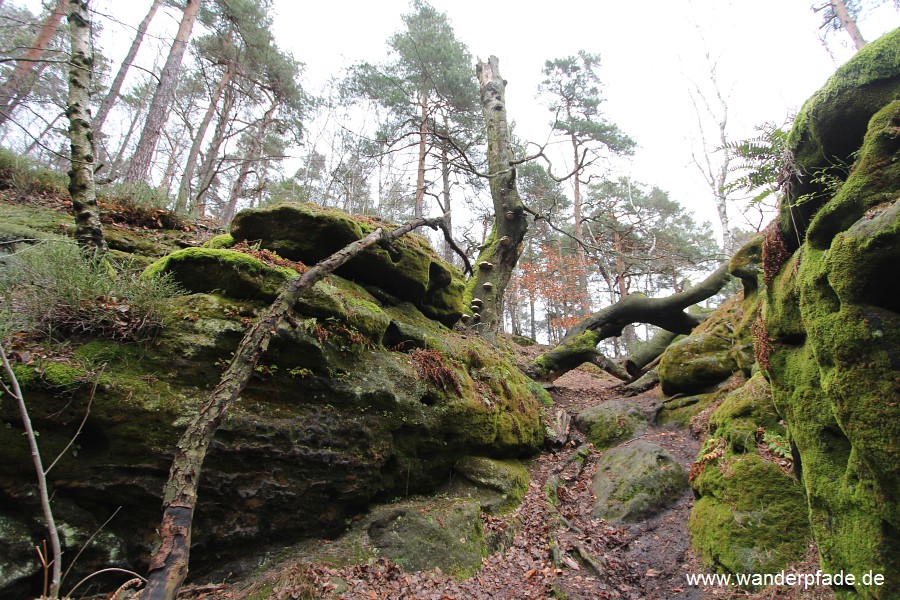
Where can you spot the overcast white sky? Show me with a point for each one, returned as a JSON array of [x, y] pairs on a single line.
[[768, 52], [769, 59]]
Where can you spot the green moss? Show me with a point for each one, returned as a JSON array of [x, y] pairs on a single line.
[[508, 477], [830, 127], [679, 411], [636, 481], [233, 273], [743, 412], [750, 518], [611, 423], [219, 242]]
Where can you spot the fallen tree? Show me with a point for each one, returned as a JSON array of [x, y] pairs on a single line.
[[169, 564], [580, 344]]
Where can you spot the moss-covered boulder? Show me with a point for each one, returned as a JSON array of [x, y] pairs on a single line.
[[717, 348], [308, 233], [611, 423], [359, 398], [750, 515], [830, 127], [833, 321], [505, 480], [226, 272], [425, 534], [636, 481]]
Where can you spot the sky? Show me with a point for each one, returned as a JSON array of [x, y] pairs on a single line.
[[768, 55]]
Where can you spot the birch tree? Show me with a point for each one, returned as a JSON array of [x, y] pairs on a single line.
[[88, 231]]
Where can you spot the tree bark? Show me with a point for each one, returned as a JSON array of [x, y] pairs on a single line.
[[254, 152], [423, 148], [22, 79], [495, 264], [580, 344], [649, 352], [169, 564], [190, 167], [88, 231], [848, 23], [208, 168], [162, 99], [116, 85], [584, 294]]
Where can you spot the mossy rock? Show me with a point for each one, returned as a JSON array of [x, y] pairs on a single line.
[[508, 478], [611, 423], [696, 363], [834, 320], [717, 348], [830, 127], [678, 412], [743, 412], [750, 517], [309, 233], [636, 481], [220, 242], [228, 272], [425, 534]]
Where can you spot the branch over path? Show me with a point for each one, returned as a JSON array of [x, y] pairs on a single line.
[[580, 344]]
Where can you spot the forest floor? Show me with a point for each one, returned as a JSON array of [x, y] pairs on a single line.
[[551, 549]]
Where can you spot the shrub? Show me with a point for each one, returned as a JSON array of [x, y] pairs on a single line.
[[25, 178], [50, 290]]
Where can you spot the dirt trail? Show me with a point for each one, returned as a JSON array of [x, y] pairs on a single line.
[[550, 547]]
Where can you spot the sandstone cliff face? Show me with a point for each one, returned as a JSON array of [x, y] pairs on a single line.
[[833, 319], [360, 397], [824, 316]]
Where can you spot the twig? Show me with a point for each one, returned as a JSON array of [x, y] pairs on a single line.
[[87, 412], [16, 393]]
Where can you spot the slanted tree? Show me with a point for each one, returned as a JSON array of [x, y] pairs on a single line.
[[580, 343], [841, 15], [88, 231], [139, 168], [28, 68], [572, 87], [115, 87]]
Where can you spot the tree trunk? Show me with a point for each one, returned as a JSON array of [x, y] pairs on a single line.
[[169, 564], [848, 23], [21, 80], [36, 141], [139, 168], [580, 344], [88, 231], [254, 153], [208, 167], [445, 206], [584, 294], [116, 85], [649, 352], [629, 336], [495, 264], [190, 167], [423, 147]]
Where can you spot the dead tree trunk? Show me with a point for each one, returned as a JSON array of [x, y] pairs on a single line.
[[88, 231], [580, 344], [169, 565], [501, 250]]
